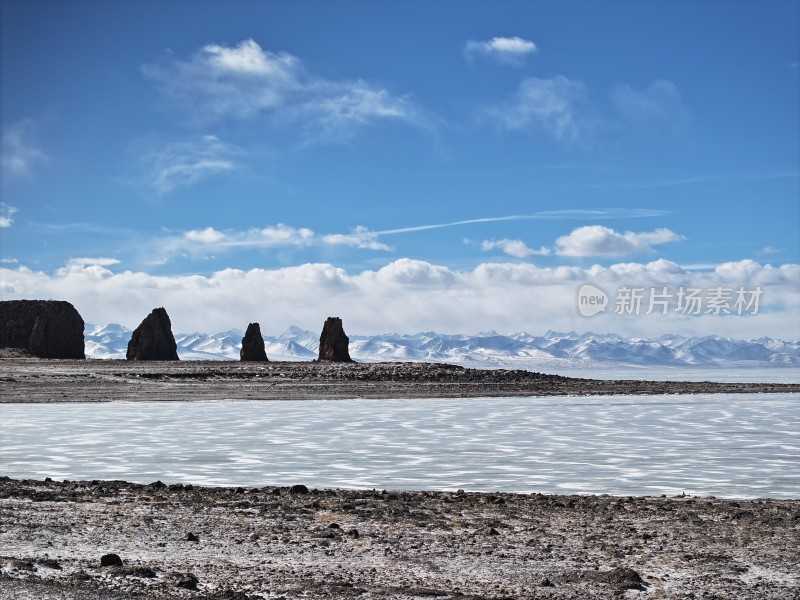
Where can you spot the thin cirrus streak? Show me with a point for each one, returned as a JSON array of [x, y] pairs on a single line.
[[644, 185], [612, 213]]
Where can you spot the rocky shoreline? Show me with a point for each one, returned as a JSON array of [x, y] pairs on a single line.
[[256, 543], [36, 380]]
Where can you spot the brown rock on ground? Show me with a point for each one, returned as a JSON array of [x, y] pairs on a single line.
[[45, 328], [153, 339], [253, 345], [333, 343]]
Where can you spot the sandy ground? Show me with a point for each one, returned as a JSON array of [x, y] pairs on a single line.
[[260, 543], [33, 380]]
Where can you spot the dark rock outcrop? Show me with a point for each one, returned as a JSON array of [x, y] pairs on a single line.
[[45, 328], [153, 339], [110, 560], [333, 343], [253, 344], [187, 581]]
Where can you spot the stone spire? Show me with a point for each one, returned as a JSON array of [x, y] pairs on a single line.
[[333, 343]]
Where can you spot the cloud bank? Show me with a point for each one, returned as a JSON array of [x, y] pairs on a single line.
[[409, 295]]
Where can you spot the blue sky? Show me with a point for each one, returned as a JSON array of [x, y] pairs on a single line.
[[160, 145]]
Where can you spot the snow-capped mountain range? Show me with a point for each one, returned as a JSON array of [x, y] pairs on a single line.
[[484, 350]]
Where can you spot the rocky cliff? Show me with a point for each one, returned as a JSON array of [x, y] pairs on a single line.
[[253, 344], [333, 343], [45, 328], [153, 339]]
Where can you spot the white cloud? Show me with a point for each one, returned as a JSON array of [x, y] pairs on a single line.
[[166, 166], [245, 81], [597, 240], [746, 270], [335, 114], [209, 235], [198, 241], [516, 248], [411, 295], [767, 250], [507, 50], [249, 58], [361, 237], [558, 105], [202, 241], [20, 153], [218, 82], [85, 262], [563, 108], [661, 103], [410, 272], [209, 239], [6, 215]]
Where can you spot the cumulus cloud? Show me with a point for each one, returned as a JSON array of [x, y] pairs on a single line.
[[505, 50], [598, 240], [557, 105], [165, 166], [20, 152], [6, 215], [410, 272], [209, 235], [410, 295], [245, 81], [516, 248]]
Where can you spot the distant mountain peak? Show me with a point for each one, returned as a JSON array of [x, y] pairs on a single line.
[[488, 349]]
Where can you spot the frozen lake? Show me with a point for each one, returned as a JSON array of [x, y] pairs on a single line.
[[744, 445], [666, 373]]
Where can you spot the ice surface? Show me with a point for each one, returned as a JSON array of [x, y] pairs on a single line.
[[725, 445]]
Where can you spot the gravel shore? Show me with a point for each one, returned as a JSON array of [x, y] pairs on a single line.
[[33, 380], [250, 543]]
